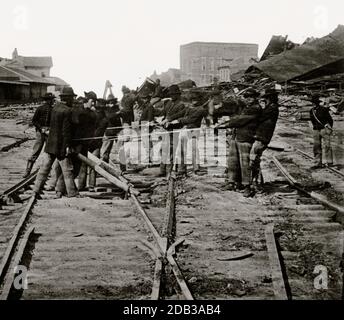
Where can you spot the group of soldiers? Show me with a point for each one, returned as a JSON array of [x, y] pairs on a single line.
[[74, 126]]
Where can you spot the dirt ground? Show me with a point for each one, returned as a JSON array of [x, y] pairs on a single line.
[[89, 249], [218, 225], [97, 249]]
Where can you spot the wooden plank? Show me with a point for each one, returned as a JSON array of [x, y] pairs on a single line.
[[124, 186], [159, 240], [21, 184], [170, 210], [292, 181], [11, 246], [179, 275], [14, 145], [155, 295], [275, 264], [112, 170], [17, 260]]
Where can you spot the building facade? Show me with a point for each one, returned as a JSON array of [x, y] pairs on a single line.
[[25, 79], [204, 61], [171, 76]]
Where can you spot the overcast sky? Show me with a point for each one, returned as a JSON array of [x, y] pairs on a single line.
[[125, 41]]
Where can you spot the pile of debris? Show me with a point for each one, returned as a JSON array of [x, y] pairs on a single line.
[[316, 66]]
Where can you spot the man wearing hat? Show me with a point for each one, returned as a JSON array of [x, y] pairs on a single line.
[[146, 122], [244, 128], [191, 123], [58, 147], [173, 110], [41, 121], [322, 131], [266, 126], [114, 125], [84, 121], [127, 104]]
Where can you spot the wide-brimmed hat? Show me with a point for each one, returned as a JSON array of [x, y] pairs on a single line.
[[315, 97], [90, 95], [67, 91], [48, 96], [111, 98]]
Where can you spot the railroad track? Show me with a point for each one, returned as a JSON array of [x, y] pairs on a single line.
[[303, 225], [310, 157], [304, 235], [17, 245], [16, 207]]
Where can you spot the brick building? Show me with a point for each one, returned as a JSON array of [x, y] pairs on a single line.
[[204, 61]]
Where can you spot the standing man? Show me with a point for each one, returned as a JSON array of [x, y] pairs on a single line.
[[173, 110], [58, 146], [146, 125], [127, 104], [96, 144], [245, 125], [84, 121], [265, 130], [191, 122], [114, 125], [158, 91], [127, 115], [322, 131], [41, 121]]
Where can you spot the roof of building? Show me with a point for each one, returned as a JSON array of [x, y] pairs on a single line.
[[57, 81], [302, 60], [219, 43], [11, 74], [14, 82], [38, 61], [277, 45]]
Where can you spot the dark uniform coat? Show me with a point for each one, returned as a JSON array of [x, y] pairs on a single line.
[[42, 116], [245, 124], [320, 116], [127, 111], [267, 123], [193, 117], [173, 110], [60, 134], [113, 121]]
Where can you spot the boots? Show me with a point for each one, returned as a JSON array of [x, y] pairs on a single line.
[[29, 166]]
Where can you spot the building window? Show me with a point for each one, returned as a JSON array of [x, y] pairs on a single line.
[[204, 63], [212, 64]]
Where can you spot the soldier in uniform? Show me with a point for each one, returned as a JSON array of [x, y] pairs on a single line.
[[114, 125], [173, 110], [322, 131], [41, 122], [265, 130], [244, 128], [58, 146]]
